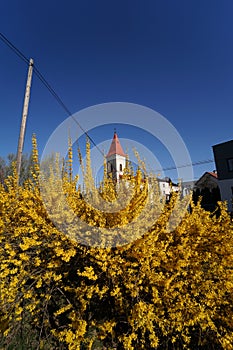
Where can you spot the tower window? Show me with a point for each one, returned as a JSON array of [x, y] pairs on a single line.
[[120, 167], [230, 164], [109, 167]]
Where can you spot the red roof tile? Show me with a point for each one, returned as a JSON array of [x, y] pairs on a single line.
[[115, 147], [214, 174]]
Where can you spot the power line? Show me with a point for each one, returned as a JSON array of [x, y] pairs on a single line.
[[200, 162], [68, 112], [48, 86], [14, 48], [61, 103]]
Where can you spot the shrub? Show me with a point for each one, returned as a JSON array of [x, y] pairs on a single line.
[[165, 289]]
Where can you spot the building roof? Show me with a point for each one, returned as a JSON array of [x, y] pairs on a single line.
[[223, 143], [208, 175], [115, 147], [213, 173]]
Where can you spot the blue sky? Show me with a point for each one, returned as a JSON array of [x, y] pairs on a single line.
[[175, 57]]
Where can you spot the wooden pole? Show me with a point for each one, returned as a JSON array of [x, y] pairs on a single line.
[[24, 118]]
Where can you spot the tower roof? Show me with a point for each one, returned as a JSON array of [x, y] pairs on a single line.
[[115, 147]]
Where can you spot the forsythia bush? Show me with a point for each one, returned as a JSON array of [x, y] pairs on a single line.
[[166, 289]]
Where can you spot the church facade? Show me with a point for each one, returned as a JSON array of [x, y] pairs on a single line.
[[116, 163], [116, 159]]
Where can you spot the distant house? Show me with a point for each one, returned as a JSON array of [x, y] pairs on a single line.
[[208, 180], [166, 187], [187, 187], [207, 187], [223, 156]]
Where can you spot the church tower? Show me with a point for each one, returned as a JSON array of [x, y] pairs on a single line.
[[116, 159]]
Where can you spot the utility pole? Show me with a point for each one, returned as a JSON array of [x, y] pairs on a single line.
[[24, 118]]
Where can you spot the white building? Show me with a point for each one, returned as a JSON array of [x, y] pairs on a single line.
[[116, 159], [116, 162], [166, 187]]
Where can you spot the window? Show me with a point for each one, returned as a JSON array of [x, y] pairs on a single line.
[[120, 167], [109, 167], [230, 164], [232, 190]]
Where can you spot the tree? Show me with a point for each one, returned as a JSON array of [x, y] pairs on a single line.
[[2, 170], [7, 167]]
